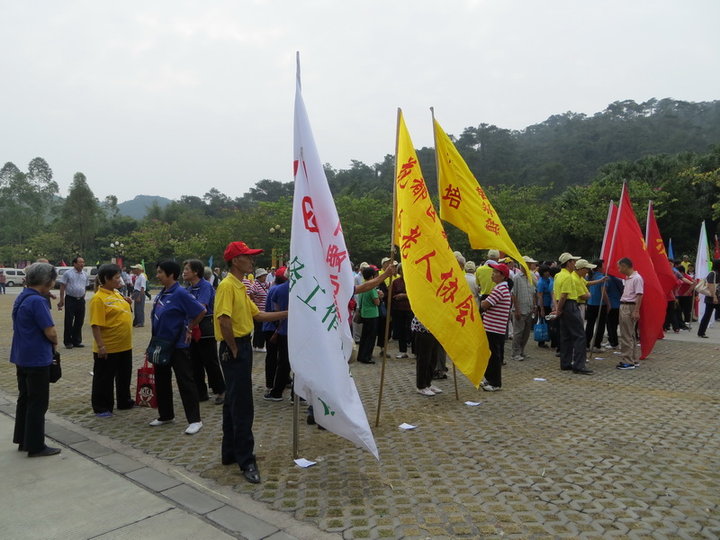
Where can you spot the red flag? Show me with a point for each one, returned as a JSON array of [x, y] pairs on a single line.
[[628, 241], [63, 263], [658, 255], [716, 253]]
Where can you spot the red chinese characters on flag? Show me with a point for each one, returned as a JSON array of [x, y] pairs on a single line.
[[465, 309], [409, 239], [335, 257], [452, 195], [448, 287], [492, 226], [419, 189], [405, 171], [428, 269]]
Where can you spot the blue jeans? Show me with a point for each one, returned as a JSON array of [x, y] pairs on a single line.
[[238, 442]]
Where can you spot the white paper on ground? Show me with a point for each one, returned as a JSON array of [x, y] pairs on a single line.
[[599, 358], [407, 426], [472, 403], [539, 379], [304, 463]]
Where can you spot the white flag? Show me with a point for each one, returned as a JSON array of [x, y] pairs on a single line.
[[702, 265], [321, 285]]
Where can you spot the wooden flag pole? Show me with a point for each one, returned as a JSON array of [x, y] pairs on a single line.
[[392, 258], [457, 395]]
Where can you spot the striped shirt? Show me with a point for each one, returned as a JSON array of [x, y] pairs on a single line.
[[496, 317], [258, 292]]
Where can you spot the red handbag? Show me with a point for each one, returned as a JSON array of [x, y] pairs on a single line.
[[146, 394]]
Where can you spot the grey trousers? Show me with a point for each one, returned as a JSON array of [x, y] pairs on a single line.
[[521, 334], [139, 311]]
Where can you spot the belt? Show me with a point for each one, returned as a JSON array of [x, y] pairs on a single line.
[[628, 303], [76, 297], [243, 339]]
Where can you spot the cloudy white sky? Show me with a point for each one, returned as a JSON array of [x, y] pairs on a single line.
[[173, 97]]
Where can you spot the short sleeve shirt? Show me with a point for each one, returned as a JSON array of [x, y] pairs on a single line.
[[496, 318], [172, 310], [204, 293], [31, 316], [580, 287], [564, 285], [368, 309], [140, 283], [231, 299], [545, 286], [75, 282], [111, 313], [484, 279], [634, 285]]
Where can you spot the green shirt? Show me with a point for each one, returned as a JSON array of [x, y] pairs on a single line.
[[368, 309]]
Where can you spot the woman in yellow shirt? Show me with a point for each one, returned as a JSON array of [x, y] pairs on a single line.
[[111, 322]]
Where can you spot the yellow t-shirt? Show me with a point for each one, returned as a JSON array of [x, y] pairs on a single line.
[[580, 287], [231, 299], [483, 276], [111, 313], [564, 283]]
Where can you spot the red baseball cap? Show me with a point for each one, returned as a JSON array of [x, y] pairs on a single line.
[[234, 249], [280, 272], [502, 268]]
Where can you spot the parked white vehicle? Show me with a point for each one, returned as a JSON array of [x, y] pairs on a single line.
[[14, 277]]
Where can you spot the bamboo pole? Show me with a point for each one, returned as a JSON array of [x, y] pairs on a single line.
[[392, 258]]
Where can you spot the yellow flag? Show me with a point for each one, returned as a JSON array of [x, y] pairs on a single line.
[[435, 283], [464, 203]]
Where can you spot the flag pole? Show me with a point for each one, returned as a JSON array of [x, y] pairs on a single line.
[[603, 290], [392, 258], [296, 421], [437, 179]]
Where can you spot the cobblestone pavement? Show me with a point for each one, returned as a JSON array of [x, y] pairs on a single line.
[[618, 454]]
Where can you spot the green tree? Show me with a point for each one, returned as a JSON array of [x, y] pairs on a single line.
[[80, 215]]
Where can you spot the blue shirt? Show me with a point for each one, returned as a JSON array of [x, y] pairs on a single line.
[[172, 310], [31, 316], [614, 292], [596, 290], [278, 299], [204, 293], [545, 286]]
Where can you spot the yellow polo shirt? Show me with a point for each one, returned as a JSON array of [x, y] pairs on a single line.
[[111, 313], [483, 276], [231, 299], [564, 283], [580, 287]]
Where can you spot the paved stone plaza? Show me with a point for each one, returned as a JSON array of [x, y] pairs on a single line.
[[619, 454]]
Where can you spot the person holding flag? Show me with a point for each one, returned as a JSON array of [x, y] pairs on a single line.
[[712, 302], [567, 290]]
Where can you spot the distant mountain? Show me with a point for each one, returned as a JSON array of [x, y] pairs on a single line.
[[138, 207]]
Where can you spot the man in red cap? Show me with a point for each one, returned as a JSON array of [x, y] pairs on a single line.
[[235, 314]]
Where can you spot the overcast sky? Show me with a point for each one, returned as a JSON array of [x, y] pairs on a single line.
[[172, 98]]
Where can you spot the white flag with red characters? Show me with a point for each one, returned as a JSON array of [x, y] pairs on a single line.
[[321, 285]]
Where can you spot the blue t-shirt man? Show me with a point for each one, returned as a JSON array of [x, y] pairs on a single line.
[[31, 316], [172, 310], [278, 299], [545, 286]]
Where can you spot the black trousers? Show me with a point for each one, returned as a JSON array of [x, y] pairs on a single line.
[[493, 373], [381, 331], [685, 308], [204, 357], [401, 324], [74, 319], [271, 358], [32, 404], [591, 317], [710, 308], [282, 368], [613, 321], [367, 339], [672, 316], [115, 369], [258, 339], [427, 349], [238, 442], [181, 364], [572, 338]]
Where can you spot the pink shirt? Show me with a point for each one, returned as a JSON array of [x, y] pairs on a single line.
[[633, 286]]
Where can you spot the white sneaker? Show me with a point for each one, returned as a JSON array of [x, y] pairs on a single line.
[[401, 355], [518, 358], [425, 392], [489, 387], [193, 428], [435, 389], [158, 422]]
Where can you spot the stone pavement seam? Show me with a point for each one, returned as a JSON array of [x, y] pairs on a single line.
[[123, 526], [203, 502]]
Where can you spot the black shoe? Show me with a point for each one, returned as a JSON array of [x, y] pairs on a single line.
[[543, 345], [70, 346], [583, 371], [310, 420], [702, 336], [252, 474], [565, 368], [366, 361], [270, 397], [228, 460], [21, 448], [129, 405], [47, 451], [78, 345], [204, 398]]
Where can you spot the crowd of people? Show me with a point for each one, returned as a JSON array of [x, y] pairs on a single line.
[[206, 324]]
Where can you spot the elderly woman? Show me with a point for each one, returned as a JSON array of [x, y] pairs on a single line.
[[111, 323], [33, 345], [258, 293], [174, 315], [496, 314], [203, 347]]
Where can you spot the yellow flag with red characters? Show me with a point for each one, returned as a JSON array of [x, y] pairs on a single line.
[[464, 203], [436, 286]]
